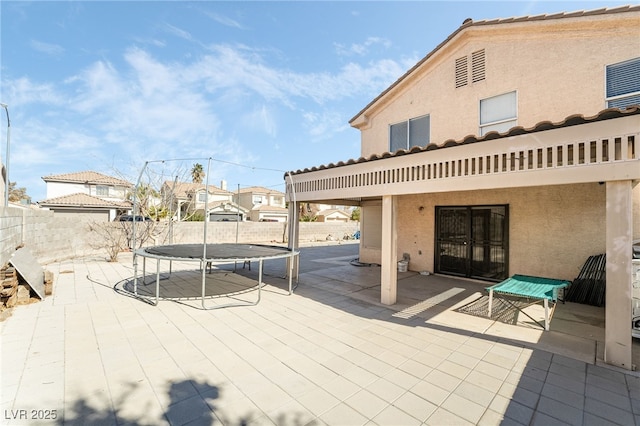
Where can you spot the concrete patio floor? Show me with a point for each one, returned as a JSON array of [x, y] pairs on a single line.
[[330, 354]]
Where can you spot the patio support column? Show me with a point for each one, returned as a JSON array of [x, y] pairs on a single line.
[[389, 254], [617, 340], [293, 236]]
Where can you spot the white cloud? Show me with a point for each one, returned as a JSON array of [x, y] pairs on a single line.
[[178, 32], [152, 109], [361, 49], [262, 120], [324, 125], [48, 48], [23, 91], [224, 20], [229, 68]]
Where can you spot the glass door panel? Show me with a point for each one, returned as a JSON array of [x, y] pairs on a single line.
[[452, 246], [471, 241]]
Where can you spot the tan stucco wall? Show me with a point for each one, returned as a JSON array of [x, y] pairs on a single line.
[[541, 217], [556, 66], [552, 230]]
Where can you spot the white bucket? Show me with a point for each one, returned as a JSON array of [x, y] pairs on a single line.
[[402, 266]]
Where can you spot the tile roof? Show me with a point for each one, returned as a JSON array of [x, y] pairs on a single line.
[[231, 205], [260, 189], [471, 23], [181, 189], [572, 120], [87, 177], [264, 208], [83, 200], [328, 212]]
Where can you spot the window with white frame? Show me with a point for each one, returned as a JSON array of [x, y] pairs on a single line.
[[102, 191], [257, 199], [498, 113], [414, 132], [623, 84], [202, 197]]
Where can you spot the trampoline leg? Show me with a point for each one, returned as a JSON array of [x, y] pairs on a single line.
[[157, 282], [490, 302], [144, 270], [135, 275], [204, 283], [259, 281]]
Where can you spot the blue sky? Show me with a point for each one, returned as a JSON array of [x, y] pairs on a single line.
[[259, 87]]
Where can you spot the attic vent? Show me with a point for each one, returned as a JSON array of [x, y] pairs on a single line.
[[461, 72], [477, 66]]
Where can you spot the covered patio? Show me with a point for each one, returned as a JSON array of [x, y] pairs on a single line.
[[564, 191]]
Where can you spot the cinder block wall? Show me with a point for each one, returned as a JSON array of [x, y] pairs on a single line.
[[51, 238], [10, 232]]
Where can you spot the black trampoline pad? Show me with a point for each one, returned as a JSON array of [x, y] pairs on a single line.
[[218, 251]]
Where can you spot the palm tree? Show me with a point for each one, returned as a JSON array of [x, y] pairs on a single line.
[[197, 173]]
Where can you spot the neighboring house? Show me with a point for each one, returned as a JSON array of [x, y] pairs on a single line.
[[333, 215], [83, 206], [264, 204], [187, 199], [550, 179], [88, 194]]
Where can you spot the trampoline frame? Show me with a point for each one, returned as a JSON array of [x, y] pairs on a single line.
[[287, 253], [290, 253]]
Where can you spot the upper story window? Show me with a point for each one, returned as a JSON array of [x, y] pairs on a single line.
[[498, 113], [623, 84], [406, 134], [257, 199], [477, 68], [202, 197], [277, 200], [102, 191]]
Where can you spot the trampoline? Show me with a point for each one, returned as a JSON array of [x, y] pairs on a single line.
[[208, 255]]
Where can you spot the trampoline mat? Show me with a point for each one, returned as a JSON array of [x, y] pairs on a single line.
[[218, 251]]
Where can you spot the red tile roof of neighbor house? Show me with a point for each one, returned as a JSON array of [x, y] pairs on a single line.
[[83, 200], [88, 177], [572, 120], [471, 23]]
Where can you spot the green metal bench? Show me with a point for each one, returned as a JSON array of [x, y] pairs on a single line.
[[536, 288]]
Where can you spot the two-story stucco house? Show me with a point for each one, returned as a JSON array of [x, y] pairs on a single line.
[[187, 199], [513, 147], [264, 204], [88, 195]]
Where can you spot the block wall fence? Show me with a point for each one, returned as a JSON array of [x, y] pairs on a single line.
[[51, 238]]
